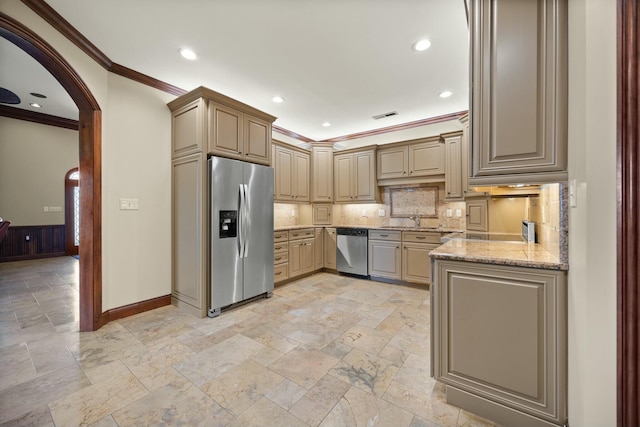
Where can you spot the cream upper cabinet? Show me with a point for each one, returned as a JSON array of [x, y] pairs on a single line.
[[322, 173], [426, 158], [411, 162], [225, 131], [322, 214], [453, 167], [393, 162], [519, 91], [238, 135], [354, 176], [477, 215], [291, 171], [187, 129]]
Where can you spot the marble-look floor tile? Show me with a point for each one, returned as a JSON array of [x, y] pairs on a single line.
[[365, 371], [50, 354], [267, 336], [415, 370], [368, 296], [171, 405], [304, 366], [361, 409], [467, 419], [309, 333], [40, 417], [25, 397], [286, 394], [242, 386], [266, 413], [97, 401], [15, 365], [218, 359], [319, 400], [107, 421], [366, 339], [411, 341], [372, 315]]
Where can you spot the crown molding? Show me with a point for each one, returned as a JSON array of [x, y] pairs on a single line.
[[291, 134], [47, 13], [403, 126], [35, 117]]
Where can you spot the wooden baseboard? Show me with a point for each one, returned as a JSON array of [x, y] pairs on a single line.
[[135, 308]]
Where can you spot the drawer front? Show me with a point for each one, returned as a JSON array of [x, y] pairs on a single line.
[[280, 272], [281, 258], [393, 235], [420, 237], [280, 247], [280, 236], [303, 233]]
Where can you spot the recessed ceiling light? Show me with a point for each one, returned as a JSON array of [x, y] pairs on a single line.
[[445, 94], [326, 124], [34, 105], [421, 45], [188, 54], [277, 99], [38, 95]]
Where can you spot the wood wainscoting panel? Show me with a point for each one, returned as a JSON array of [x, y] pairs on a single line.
[[32, 242]]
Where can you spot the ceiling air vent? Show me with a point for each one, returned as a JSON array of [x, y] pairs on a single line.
[[384, 115]]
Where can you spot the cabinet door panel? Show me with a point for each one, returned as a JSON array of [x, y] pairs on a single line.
[[426, 159], [343, 172], [318, 249], [322, 174], [519, 99], [330, 244], [187, 129], [384, 259], [295, 257], [307, 255], [322, 214], [477, 211], [225, 131], [453, 168], [416, 265], [283, 165], [365, 179], [393, 163], [257, 140], [301, 177]]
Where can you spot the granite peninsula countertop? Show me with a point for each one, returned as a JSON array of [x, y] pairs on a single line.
[[425, 229], [519, 254]]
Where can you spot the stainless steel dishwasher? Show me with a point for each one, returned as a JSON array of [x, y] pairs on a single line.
[[351, 256]]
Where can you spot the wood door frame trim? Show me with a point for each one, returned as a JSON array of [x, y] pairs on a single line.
[[90, 164], [628, 215]]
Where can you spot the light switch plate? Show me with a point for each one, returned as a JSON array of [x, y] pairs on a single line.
[[381, 212], [448, 213], [128, 204], [458, 213]]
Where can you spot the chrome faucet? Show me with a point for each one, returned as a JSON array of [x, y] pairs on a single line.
[[416, 219]]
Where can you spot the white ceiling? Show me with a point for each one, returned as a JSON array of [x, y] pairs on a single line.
[[340, 61]]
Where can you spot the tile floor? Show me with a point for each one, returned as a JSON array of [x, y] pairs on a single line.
[[325, 350]]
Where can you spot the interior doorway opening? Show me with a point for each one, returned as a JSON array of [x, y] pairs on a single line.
[[72, 211]]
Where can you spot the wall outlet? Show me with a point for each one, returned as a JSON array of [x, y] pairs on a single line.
[[293, 212], [55, 209], [27, 238], [364, 212], [448, 213], [458, 213], [46, 208], [381, 212]]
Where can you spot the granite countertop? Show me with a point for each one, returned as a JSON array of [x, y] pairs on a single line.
[[518, 254], [434, 230]]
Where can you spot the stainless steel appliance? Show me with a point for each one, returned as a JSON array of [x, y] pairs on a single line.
[[352, 249], [241, 239]]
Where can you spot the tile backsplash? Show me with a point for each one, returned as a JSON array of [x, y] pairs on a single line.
[[367, 215]]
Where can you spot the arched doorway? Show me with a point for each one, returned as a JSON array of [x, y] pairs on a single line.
[[90, 161], [72, 212]]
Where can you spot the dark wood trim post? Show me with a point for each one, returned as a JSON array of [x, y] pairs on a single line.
[[628, 214]]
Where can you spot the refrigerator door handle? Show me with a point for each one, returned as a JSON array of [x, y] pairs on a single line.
[[241, 221], [245, 219]]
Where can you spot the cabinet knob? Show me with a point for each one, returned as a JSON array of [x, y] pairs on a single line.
[[404, 172], [410, 172]]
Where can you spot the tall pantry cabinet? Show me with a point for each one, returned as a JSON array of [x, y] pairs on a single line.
[[205, 122]]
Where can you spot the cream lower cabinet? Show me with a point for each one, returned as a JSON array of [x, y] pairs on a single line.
[[330, 247], [385, 259], [318, 249], [280, 256], [500, 341], [416, 264], [301, 251]]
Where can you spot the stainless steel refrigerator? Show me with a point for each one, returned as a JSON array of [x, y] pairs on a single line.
[[241, 241]]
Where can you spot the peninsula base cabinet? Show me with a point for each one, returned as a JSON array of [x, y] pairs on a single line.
[[500, 341], [330, 247]]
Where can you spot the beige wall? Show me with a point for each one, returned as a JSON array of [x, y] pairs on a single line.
[[592, 224], [136, 141], [34, 160]]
